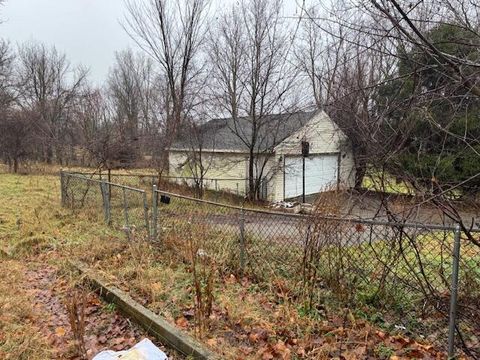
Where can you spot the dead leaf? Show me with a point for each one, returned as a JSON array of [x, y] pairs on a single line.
[[282, 350], [246, 350], [253, 337], [359, 228], [60, 331], [357, 353], [301, 351], [189, 314], [267, 355], [102, 339], [118, 341], [212, 342], [182, 322], [156, 287]]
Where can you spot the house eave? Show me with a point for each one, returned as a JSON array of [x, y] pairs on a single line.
[[226, 151]]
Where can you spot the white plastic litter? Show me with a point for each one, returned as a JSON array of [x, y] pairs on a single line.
[[283, 205], [144, 350]]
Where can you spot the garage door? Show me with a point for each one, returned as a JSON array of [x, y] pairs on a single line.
[[321, 172]]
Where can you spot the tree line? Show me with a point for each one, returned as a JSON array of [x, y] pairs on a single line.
[[401, 79], [51, 112]]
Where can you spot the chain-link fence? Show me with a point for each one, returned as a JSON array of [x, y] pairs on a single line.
[[401, 275], [417, 279], [118, 205], [215, 189]]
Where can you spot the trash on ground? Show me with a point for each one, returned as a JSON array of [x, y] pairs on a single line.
[[144, 350], [283, 205]]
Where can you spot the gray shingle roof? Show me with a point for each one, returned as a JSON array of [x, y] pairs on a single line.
[[223, 134]]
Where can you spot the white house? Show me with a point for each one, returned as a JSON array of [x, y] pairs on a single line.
[[278, 155]]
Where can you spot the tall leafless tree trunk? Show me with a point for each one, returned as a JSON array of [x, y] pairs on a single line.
[[171, 33], [253, 79], [199, 152], [132, 89], [343, 67]]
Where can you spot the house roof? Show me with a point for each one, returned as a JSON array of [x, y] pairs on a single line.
[[229, 135]]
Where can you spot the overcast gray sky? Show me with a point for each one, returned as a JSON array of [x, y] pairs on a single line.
[[88, 31]]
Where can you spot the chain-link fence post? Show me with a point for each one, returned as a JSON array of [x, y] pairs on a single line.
[[63, 189], [242, 239], [453, 293], [106, 201], [125, 210], [145, 210], [154, 212], [216, 190]]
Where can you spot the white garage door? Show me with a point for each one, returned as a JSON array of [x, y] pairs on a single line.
[[321, 172]]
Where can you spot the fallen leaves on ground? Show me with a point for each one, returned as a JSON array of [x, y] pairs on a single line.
[[182, 322], [250, 324], [339, 336], [104, 327]]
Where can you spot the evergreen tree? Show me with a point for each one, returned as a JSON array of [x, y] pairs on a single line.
[[437, 119]]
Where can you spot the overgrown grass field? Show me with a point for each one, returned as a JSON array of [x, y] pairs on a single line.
[[251, 318]]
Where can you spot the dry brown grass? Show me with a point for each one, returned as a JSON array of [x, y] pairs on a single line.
[[37, 231], [20, 338], [248, 320]]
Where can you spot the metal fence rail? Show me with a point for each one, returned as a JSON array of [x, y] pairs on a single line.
[[408, 273], [415, 278], [212, 187], [119, 205]]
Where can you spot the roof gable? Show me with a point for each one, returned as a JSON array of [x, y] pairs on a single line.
[[321, 131]]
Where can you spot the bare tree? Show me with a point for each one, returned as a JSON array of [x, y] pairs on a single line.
[[412, 23], [14, 126], [200, 144], [426, 109], [48, 85], [93, 118], [439, 44], [17, 142], [171, 33], [343, 67], [416, 68], [102, 135], [6, 70], [132, 90], [253, 79], [318, 56]]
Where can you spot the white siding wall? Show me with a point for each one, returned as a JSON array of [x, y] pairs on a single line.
[[270, 172], [324, 137], [225, 165], [347, 170], [220, 166]]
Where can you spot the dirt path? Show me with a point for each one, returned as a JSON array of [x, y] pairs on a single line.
[[48, 293]]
